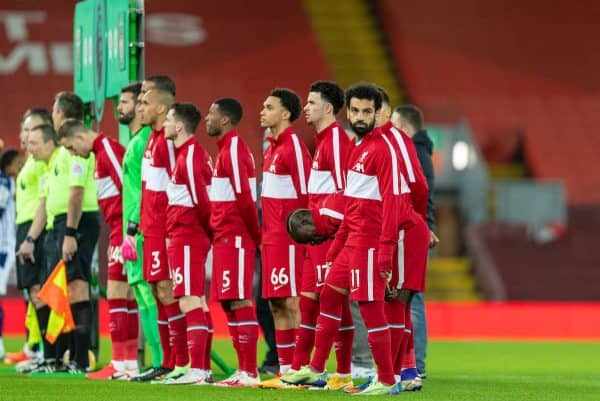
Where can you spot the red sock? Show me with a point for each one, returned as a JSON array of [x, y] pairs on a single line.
[[133, 330], [197, 336], [394, 313], [285, 346], [404, 341], [177, 334], [408, 353], [209, 323], [343, 341], [163, 331], [117, 311], [305, 334], [328, 323], [233, 332], [247, 337], [379, 339]]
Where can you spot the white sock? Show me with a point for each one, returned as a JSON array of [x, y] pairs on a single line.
[[283, 369], [131, 364], [118, 365]]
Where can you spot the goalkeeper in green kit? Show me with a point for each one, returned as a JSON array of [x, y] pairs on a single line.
[[132, 249]]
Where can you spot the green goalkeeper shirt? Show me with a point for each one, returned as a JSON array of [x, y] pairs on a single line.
[[132, 176]]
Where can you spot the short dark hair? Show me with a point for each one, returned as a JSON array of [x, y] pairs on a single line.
[[8, 156], [289, 100], [48, 132], [70, 104], [163, 83], [40, 112], [70, 127], [384, 95], [294, 220], [412, 114], [364, 90], [188, 114], [135, 89], [331, 92], [231, 108]]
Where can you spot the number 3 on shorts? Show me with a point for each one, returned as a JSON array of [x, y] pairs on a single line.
[[155, 259], [279, 279]]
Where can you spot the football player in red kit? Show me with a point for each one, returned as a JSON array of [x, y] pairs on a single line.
[[188, 233], [284, 189], [157, 167], [327, 175], [81, 141], [236, 236], [411, 253], [363, 247]]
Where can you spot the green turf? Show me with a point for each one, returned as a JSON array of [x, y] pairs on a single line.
[[478, 371]]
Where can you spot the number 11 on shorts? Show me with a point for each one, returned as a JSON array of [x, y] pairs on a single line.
[[355, 278]]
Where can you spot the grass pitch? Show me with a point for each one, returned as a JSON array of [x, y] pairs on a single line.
[[471, 371]]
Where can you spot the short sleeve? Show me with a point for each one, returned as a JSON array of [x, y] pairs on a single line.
[[77, 171], [43, 186]]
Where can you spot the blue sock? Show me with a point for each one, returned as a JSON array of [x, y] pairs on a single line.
[[408, 374]]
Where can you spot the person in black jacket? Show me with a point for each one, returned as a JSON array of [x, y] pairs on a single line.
[[409, 119]]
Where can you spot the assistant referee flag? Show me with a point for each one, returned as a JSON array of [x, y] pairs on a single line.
[[54, 294]]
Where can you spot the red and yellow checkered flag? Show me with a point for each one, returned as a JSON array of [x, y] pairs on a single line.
[[54, 293]]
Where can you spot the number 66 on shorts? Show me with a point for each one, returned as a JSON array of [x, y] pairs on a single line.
[[281, 270]]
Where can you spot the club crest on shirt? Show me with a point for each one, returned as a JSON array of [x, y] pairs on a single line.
[[315, 163], [272, 168], [360, 164]]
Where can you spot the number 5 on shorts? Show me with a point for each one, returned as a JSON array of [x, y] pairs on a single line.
[[226, 281]]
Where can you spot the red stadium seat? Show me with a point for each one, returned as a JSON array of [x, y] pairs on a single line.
[[487, 62]]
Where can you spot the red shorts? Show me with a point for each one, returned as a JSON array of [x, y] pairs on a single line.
[[116, 269], [233, 269], [411, 257], [314, 269], [355, 269], [156, 265], [187, 260], [282, 270]]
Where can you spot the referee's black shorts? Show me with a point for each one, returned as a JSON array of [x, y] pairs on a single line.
[[79, 268], [30, 273]]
